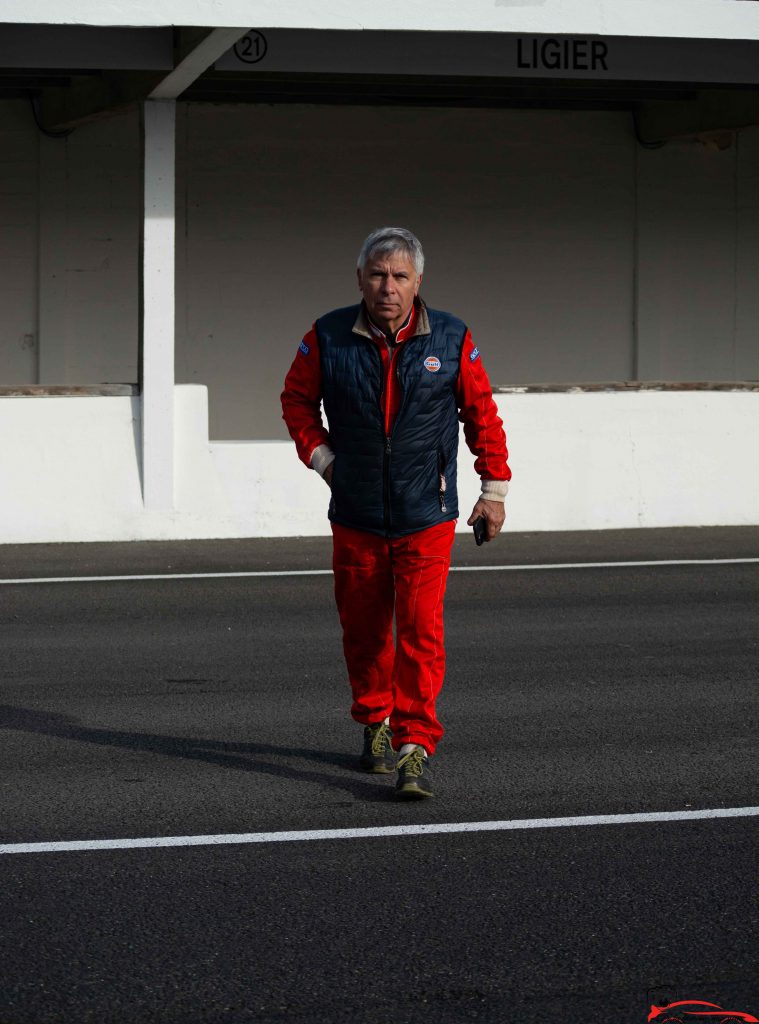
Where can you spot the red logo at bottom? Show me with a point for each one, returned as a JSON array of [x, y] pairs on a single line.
[[685, 1010]]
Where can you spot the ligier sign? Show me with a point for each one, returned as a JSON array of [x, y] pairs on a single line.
[[494, 55]]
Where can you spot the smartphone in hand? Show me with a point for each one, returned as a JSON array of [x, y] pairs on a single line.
[[480, 530]]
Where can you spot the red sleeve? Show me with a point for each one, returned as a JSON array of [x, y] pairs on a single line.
[[301, 399], [483, 427]]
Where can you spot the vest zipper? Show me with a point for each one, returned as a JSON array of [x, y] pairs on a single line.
[[442, 485], [388, 387], [386, 482], [391, 377], [384, 392], [389, 380]]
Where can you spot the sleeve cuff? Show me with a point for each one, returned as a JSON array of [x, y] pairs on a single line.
[[322, 457], [494, 490]]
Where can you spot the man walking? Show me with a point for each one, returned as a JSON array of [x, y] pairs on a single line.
[[395, 378]]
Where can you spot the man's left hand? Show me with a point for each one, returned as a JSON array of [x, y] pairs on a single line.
[[494, 514]]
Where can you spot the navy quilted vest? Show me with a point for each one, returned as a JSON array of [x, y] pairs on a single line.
[[392, 485]]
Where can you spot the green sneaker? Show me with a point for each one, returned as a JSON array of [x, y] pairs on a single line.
[[414, 782], [378, 756]]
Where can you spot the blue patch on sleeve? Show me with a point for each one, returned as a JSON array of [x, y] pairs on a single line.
[[304, 348], [475, 355]]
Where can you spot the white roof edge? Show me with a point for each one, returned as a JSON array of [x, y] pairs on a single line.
[[687, 19]]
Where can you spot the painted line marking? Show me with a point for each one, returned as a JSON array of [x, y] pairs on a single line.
[[379, 832], [546, 567]]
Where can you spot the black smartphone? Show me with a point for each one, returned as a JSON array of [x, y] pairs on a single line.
[[480, 529]]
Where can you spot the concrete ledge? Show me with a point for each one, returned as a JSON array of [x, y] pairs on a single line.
[[627, 386], [68, 391]]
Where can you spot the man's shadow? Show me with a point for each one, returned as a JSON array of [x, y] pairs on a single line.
[[254, 758]]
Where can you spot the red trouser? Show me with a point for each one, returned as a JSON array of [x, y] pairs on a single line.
[[374, 576]]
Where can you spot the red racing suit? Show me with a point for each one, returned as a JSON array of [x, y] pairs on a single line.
[[376, 577]]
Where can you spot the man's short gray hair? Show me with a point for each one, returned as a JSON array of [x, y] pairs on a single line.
[[387, 241]]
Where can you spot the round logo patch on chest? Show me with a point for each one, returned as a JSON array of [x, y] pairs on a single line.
[[432, 363]]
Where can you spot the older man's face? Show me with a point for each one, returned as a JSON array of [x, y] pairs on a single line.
[[389, 285]]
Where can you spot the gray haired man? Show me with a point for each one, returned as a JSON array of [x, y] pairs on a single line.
[[395, 377]]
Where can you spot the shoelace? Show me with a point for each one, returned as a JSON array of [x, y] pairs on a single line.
[[380, 739], [413, 762]]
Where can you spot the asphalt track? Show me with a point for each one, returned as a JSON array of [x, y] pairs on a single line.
[[216, 706]]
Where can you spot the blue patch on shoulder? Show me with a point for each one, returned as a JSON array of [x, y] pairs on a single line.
[[475, 355], [304, 348]]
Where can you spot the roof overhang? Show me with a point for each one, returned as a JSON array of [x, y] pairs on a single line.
[[686, 19]]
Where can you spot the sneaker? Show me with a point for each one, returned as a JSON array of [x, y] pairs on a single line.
[[378, 756], [414, 780]]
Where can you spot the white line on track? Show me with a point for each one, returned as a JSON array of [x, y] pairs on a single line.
[[379, 832], [328, 572]]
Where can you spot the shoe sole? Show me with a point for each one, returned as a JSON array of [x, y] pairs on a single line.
[[377, 769], [412, 793]]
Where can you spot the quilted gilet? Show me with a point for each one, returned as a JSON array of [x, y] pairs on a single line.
[[397, 484]]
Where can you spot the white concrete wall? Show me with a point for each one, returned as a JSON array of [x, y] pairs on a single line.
[[615, 460], [663, 459]]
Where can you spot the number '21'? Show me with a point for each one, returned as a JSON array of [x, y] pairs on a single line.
[[252, 47]]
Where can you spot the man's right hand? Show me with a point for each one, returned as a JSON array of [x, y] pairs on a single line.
[[328, 475]]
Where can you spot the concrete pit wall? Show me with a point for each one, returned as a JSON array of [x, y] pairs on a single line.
[[581, 461]]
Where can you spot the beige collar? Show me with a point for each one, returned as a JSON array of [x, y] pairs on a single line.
[[361, 326]]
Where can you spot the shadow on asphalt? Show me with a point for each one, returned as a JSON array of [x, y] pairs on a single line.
[[241, 757]]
